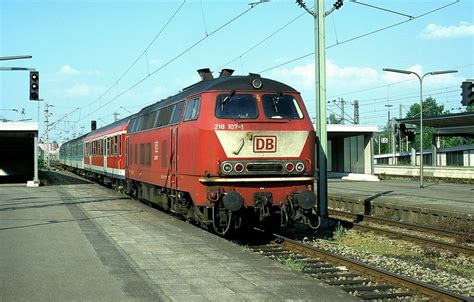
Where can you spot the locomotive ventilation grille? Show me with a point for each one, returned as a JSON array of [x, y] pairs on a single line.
[[263, 167]]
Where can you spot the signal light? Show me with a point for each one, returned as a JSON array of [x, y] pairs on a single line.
[[289, 167], [34, 85], [467, 93], [338, 4]]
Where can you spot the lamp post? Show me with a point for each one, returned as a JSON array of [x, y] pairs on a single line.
[[390, 136], [421, 106]]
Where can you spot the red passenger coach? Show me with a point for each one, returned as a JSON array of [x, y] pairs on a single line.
[[104, 154], [225, 152]]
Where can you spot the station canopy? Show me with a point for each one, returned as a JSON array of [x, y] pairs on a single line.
[[454, 124]]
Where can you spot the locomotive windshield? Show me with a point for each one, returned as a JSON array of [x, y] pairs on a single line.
[[236, 106], [281, 107]]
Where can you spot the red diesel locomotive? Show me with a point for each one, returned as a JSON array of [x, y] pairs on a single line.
[[226, 152]]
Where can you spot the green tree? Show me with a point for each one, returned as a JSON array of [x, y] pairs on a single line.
[[430, 108]]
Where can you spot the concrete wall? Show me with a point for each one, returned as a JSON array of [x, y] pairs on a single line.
[[350, 154], [428, 171]]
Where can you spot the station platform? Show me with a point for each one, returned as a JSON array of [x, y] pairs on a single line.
[[81, 241], [437, 203]]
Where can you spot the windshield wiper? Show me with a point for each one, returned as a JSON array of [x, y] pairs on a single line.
[[275, 101], [226, 99]]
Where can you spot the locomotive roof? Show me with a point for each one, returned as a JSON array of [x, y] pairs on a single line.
[[222, 83]]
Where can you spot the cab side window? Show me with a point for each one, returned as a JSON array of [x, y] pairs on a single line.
[[192, 110]]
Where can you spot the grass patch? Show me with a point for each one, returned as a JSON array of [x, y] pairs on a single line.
[[292, 263], [339, 233], [424, 256]]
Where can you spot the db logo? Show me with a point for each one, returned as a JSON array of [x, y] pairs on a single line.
[[264, 144]]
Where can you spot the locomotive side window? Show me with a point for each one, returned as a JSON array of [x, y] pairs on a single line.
[[148, 120], [164, 116], [281, 107], [137, 124], [236, 106], [177, 113], [192, 110], [131, 125]]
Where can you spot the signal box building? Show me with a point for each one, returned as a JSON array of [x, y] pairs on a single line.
[[18, 153]]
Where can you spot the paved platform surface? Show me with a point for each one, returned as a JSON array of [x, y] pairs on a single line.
[[456, 200], [85, 242]]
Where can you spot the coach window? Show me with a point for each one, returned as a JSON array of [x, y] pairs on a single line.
[[177, 113], [192, 110], [236, 106], [115, 146], [281, 107], [119, 139]]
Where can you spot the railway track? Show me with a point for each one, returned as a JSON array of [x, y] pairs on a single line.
[[355, 224], [362, 280]]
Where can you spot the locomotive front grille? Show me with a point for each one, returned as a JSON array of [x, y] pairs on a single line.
[[264, 167]]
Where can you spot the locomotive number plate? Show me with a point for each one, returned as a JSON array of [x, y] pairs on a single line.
[[228, 127]]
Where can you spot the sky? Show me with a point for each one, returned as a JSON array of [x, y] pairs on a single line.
[[100, 57]]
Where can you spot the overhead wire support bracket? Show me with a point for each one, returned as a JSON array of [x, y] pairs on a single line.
[[253, 4], [303, 5]]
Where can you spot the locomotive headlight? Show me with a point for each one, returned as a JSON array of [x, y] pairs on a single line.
[[227, 168], [239, 167], [257, 83], [289, 167], [300, 167]]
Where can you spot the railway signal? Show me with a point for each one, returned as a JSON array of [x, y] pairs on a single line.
[[34, 85], [467, 93]]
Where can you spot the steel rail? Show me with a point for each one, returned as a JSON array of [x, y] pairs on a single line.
[[406, 225], [376, 273], [413, 238]]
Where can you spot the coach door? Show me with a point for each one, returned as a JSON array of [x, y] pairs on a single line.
[[104, 153], [174, 156]]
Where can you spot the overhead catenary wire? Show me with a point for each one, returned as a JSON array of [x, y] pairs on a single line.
[[173, 59], [260, 42], [361, 36], [115, 84]]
